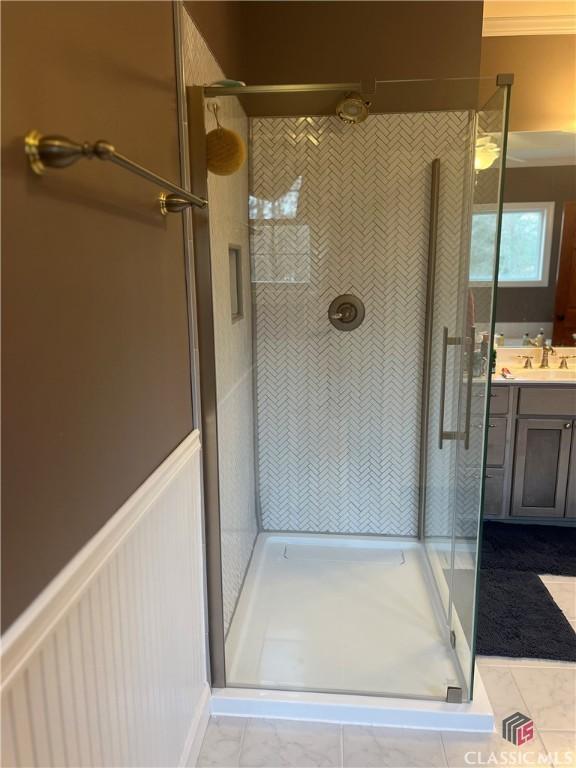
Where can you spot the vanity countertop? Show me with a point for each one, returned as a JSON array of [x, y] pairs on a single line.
[[513, 359], [546, 377]]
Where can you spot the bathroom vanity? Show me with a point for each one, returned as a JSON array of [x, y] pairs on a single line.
[[531, 453]]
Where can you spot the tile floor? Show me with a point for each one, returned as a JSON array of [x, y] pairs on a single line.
[[544, 690]]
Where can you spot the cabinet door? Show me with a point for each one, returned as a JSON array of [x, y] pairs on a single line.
[[499, 399], [494, 493], [541, 469], [496, 450], [571, 497]]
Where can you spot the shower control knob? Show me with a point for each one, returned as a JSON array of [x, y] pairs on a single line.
[[346, 312]]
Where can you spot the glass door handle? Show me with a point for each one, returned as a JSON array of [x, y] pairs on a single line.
[[470, 378], [447, 341]]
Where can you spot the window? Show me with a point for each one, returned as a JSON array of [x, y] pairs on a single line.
[[524, 248]]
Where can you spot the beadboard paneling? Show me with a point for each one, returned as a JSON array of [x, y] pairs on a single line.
[[108, 666]]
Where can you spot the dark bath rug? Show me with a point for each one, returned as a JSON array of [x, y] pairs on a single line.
[[517, 617], [535, 548]]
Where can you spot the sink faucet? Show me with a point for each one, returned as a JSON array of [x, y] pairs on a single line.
[[564, 361], [527, 360], [546, 350]]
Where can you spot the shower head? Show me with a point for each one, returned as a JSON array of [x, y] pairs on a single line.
[[352, 109], [228, 84]]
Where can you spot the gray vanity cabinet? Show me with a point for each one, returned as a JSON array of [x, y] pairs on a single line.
[[496, 441], [571, 496], [494, 492], [531, 453], [496, 452], [542, 459], [499, 401]]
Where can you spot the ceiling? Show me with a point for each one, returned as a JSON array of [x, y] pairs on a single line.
[[529, 17], [539, 148]]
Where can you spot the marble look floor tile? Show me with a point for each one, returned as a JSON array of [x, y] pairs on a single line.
[[564, 595], [545, 664], [542, 664], [563, 744], [493, 661], [550, 696], [548, 578], [367, 747], [465, 749], [276, 743], [503, 661], [503, 692], [222, 741]]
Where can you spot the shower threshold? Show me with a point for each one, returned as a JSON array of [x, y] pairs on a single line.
[[344, 622]]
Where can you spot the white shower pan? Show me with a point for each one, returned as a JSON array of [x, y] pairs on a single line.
[[344, 629]]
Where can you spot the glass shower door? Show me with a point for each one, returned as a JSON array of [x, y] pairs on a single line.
[[318, 583], [462, 327]]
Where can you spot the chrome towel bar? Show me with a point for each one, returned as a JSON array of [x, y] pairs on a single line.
[[59, 152]]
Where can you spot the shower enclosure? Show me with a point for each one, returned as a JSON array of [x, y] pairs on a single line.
[[345, 389]]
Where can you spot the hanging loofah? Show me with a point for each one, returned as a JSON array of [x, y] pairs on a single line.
[[225, 149]]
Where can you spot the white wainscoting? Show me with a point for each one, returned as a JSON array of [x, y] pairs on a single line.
[[108, 666]]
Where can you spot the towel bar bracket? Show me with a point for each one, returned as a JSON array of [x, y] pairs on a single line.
[[173, 203], [59, 152]]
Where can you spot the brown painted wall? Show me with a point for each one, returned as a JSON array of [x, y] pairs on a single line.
[[544, 67], [528, 185], [324, 42], [96, 383]]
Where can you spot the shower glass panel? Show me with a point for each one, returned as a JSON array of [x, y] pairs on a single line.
[[474, 414], [462, 338], [338, 520]]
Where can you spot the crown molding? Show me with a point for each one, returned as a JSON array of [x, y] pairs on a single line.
[[505, 26]]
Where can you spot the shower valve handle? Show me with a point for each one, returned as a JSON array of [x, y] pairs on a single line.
[[346, 312]]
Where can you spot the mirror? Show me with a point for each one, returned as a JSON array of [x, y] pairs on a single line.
[[536, 279]]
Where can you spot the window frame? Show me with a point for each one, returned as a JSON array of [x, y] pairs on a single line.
[[548, 209]]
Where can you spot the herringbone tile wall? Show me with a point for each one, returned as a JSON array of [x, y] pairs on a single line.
[[344, 209]]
